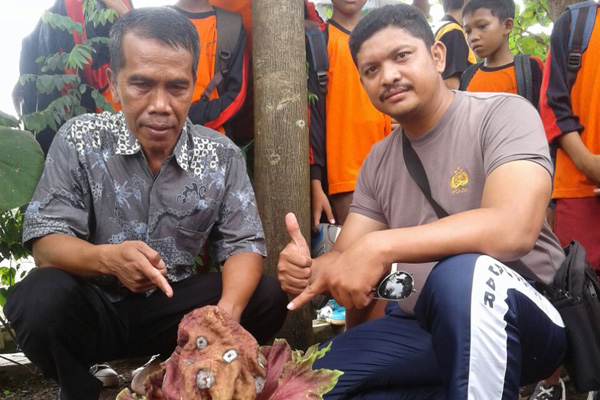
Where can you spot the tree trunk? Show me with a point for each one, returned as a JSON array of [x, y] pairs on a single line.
[[281, 147], [556, 7]]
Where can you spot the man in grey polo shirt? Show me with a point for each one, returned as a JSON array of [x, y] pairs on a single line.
[[125, 204], [474, 328]]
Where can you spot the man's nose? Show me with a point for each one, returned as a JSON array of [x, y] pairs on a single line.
[[391, 73], [160, 102]]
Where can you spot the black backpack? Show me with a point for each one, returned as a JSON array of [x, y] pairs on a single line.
[[584, 15], [229, 26], [522, 72], [316, 51]]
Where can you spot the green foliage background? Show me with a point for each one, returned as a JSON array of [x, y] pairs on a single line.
[[533, 14], [22, 160]]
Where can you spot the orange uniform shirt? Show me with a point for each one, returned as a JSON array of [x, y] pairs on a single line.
[[353, 124], [504, 79], [584, 102], [207, 31]]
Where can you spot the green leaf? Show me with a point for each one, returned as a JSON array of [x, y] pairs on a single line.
[[21, 166], [51, 122], [95, 40], [8, 120], [101, 102], [55, 62], [64, 23], [45, 84], [34, 122], [27, 78]]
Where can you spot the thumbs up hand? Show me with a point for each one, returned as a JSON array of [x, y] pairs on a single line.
[[295, 264]]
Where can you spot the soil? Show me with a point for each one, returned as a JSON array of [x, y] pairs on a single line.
[[22, 384], [26, 385]]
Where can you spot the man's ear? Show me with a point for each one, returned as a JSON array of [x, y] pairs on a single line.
[[112, 82], [438, 53], [508, 25]]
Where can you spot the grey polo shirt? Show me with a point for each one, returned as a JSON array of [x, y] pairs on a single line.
[[97, 186]]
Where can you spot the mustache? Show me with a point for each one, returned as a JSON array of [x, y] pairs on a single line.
[[160, 122], [394, 86]]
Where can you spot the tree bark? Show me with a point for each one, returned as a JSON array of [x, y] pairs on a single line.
[[557, 7], [281, 147]]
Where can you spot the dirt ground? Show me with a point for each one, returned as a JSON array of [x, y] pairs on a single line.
[[25, 385], [28, 386]]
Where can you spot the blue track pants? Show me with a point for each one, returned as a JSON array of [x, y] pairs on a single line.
[[479, 332]]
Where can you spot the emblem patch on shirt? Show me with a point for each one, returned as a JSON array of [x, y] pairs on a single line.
[[459, 181]]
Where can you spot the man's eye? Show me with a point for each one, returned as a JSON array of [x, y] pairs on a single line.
[[370, 70], [482, 26], [402, 55]]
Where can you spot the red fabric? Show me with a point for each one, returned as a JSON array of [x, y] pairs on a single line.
[[579, 219], [236, 104], [97, 78], [312, 12], [546, 112]]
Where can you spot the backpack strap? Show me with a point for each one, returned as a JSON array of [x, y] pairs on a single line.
[[229, 27], [583, 17], [524, 78], [318, 57], [466, 76]]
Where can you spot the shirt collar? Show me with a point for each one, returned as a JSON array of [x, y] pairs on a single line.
[[449, 18], [127, 144]]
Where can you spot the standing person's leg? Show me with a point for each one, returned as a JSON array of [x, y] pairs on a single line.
[[64, 324], [388, 358], [155, 319], [341, 206], [577, 219], [491, 331]]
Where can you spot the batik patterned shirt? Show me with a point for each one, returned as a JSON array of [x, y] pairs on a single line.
[[97, 186]]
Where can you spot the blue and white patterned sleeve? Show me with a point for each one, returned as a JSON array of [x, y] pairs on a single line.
[[238, 228], [61, 202]]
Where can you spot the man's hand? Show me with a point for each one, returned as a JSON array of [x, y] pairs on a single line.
[[294, 267], [319, 203], [137, 266], [351, 277]]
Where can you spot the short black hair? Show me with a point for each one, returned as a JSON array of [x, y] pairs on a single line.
[[501, 9], [159, 23], [450, 5], [404, 16]]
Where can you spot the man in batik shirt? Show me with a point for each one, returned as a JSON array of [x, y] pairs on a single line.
[[125, 204]]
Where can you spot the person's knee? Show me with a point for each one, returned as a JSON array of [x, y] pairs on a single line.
[[452, 277], [447, 291], [266, 311], [273, 298], [40, 300]]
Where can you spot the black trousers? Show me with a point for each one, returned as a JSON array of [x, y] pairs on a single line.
[[64, 324]]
